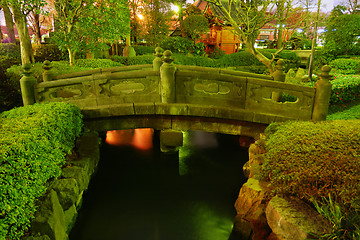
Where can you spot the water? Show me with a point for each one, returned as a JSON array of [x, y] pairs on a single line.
[[140, 194]]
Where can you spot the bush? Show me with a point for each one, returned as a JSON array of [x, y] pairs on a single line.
[[143, 50], [138, 60], [11, 50], [9, 91], [34, 142], [345, 66], [182, 45], [345, 88], [96, 63], [182, 59], [314, 159], [49, 52]]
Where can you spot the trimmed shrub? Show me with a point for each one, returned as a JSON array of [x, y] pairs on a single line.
[[314, 159], [182, 59], [96, 63], [182, 45], [49, 52], [345, 66], [33, 145], [138, 60], [143, 50], [11, 50], [345, 88]]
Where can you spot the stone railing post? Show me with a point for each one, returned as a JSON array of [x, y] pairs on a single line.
[[27, 83], [167, 79], [47, 74], [279, 76], [157, 61], [322, 95]]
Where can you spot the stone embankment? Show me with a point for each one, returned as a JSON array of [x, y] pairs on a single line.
[[260, 216], [57, 212]]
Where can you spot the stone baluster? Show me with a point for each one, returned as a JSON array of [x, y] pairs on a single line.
[[157, 61], [167, 79], [27, 83], [279, 76], [322, 95], [48, 73]]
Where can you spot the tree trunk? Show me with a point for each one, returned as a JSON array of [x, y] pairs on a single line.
[[27, 55], [259, 56], [71, 57], [37, 28], [9, 23]]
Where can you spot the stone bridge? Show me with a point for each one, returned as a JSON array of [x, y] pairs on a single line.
[[168, 96]]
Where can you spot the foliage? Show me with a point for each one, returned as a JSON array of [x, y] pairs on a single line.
[[344, 225], [345, 66], [49, 52], [157, 20], [313, 159], [195, 25], [138, 60], [9, 93], [182, 59], [342, 34], [142, 50], [347, 112], [90, 24], [182, 45], [96, 63], [345, 88], [217, 53], [11, 50], [34, 142]]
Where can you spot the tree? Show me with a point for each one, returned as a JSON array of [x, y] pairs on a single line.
[[353, 6], [9, 22], [157, 20], [20, 10], [342, 33], [90, 24], [194, 25], [247, 18]]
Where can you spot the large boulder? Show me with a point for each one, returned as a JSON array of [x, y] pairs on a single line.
[[68, 191], [50, 219], [292, 219]]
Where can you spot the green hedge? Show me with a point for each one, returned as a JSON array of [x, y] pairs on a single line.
[[345, 88], [143, 50], [33, 145], [49, 52], [11, 50], [138, 60], [315, 159], [96, 63], [345, 66]]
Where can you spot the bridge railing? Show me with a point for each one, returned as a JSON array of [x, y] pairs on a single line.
[[232, 93]]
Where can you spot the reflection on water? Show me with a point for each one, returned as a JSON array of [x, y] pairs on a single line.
[[136, 196]]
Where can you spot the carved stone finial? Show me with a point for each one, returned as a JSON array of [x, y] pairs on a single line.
[[26, 70], [46, 65], [158, 52], [280, 64], [325, 70], [167, 57]]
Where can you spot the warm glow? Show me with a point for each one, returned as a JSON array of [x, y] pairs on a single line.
[[139, 138], [175, 8], [141, 17], [143, 138]]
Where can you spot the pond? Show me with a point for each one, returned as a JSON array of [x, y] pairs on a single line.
[[139, 193]]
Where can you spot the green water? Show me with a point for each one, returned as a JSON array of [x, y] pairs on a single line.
[[140, 194]]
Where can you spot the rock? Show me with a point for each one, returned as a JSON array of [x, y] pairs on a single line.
[[300, 73], [79, 174], [67, 190], [252, 195], [291, 73], [261, 229], [241, 229], [50, 219], [292, 219], [70, 218]]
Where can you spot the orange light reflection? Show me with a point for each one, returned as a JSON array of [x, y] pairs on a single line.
[[139, 138]]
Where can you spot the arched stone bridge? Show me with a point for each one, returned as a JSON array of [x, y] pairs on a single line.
[[182, 97]]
